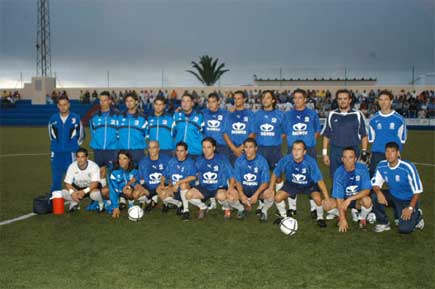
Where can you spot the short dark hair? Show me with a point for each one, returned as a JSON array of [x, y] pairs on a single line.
[[299, 142], [386, 92], [213, 95], [301, 91], [343, 91], [106, 93], [210, 140], [182, 144], [160, 98], [132, 95], [240, 92], [392, 145], [62, 97], [188, 95], [350, 149], [82, 150], [250, 140]]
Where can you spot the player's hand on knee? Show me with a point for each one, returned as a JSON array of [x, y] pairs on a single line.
[[75, 196], [343, 226], [115, 213], [406, 214]]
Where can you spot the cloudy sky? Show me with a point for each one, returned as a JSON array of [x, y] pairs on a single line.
[[148, 42]]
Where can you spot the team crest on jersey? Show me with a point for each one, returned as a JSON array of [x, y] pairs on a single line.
[[379, 125], [136, 122], [304, 170], [165, 122], [113, 122], [73, 120], [245, 119], [274, 120], [397, 178], [195, 118], [161, 167], [216, 168], [255, 170], [307, 119], [357, 178], [220, 117], [392, 125]]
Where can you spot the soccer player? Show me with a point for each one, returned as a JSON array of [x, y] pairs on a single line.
[[132, 129], [160, 127], [122, 181], [151, 169], [252, 175], [213, 172], [103, 126], [66, 135], [351, 189], [214, 120], [188, 126], [303, 176], [385, 126], [238, 127], [344, 127], [268, 129], [302, 123], [404, 192], [180, 173], [82, 179]]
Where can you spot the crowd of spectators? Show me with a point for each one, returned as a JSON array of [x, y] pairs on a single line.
[[9, 97]]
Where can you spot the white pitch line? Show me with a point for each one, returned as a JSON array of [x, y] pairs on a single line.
[[23, 217], [426, 165], [23, 155]]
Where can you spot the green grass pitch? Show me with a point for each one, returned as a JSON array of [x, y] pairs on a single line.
[[87, 250]]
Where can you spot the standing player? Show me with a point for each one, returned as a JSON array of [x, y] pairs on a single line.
[[252, 175], [213, 171], [303, 176], [132, 129], [302, 123], [151, 169], [160, 127], [122, 181], [104, 135], [180, 173], [66, 135], [238, 127], [188, 126], [386, 126], [268, 129], [351, 189], [214, 120], [82, 179], [403, 195], [344, 127]]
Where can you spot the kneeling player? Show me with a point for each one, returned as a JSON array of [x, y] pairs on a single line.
[[180, 173], [351, 189], [253, 176], [82, 179], [213, 171], [122, 182], [303, 176], [150, 171]]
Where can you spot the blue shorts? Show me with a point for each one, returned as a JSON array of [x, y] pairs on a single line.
[[272, 154], [105, 158], [292, 190], [151, 191], [249, 191], [209, 193]]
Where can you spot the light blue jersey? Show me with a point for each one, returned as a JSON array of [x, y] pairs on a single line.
[[301, 125], [160, 129], [117, 181], [104, 130], [189, 129], [132, 129], [347, 184], [385, 128], [403, 180]]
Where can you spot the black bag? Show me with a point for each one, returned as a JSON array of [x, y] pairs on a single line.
[[42, 205]]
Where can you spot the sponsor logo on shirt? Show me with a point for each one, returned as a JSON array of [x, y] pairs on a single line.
[[249, 180], [213, 125], [238, 128], [267, 130], [176, 178], [209, 178], [299, 128], [155, 178], [299, 179], [351, 190]]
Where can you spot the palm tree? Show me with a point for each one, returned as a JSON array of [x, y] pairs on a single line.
[[207, 70]]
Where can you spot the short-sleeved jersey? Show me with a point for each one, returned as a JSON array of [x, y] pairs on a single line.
[[347, 184], [402, 180], [251, 173], [345, 128], [151, 171], [213, 173], [302, 174], [214, 124], [268, 127], [239, 125], [385, 128], [301, 125], [82, 178], [179, 170]]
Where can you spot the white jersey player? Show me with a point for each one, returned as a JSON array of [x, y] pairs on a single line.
[[82, 179]]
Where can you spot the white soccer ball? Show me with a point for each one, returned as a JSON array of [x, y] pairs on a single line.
[[371, 218], [135, 213], [289, 226]]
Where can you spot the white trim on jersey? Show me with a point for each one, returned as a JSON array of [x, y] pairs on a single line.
[[377, 179], [81, 134], [414, 182], [372, 134]]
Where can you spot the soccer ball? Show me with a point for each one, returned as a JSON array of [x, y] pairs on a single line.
[[371, 218], [289, 226], [135, 213]]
